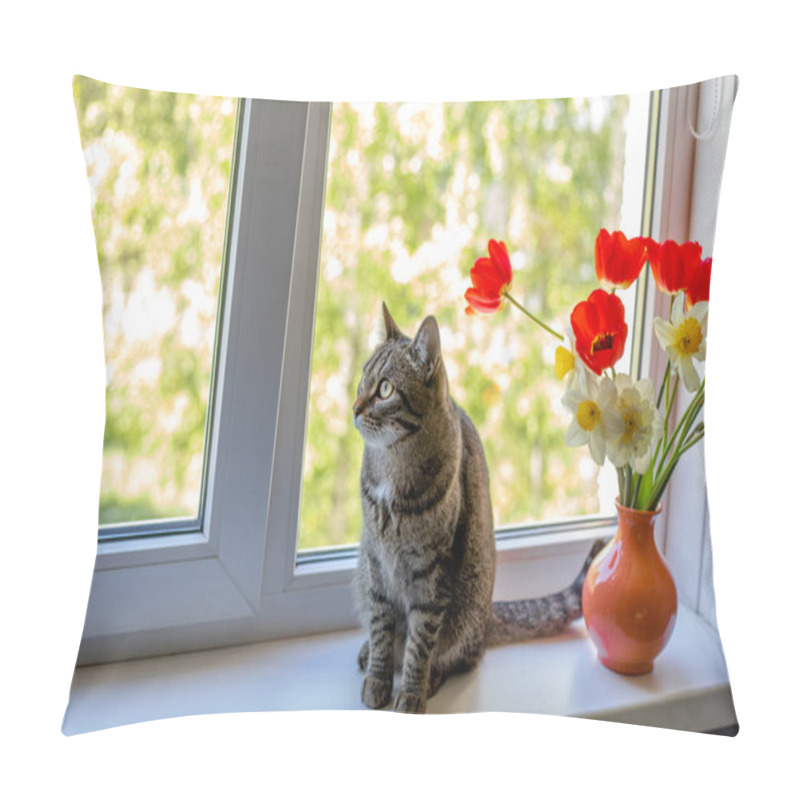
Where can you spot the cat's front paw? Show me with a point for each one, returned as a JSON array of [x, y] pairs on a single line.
[[409, 703], [376, 692]]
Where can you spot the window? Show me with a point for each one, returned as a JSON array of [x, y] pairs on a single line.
[[238, 576]]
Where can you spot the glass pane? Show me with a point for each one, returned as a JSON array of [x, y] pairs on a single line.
[[158, 166], [414, 193]]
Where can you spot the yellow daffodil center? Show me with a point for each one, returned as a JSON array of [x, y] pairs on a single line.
[[632, 419], [689, 337], [588, 415], [565, 362]]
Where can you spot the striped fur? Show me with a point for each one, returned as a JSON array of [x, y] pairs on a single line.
[[427, 560]]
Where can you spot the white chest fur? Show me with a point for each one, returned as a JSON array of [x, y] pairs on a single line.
[[383, 492]]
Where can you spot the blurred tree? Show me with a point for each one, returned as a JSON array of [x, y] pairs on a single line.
[[158, 166]]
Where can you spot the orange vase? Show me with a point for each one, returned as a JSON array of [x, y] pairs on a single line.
[[629, 597]]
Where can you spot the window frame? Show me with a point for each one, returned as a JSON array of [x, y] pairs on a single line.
[[693, 135], [238, 579]]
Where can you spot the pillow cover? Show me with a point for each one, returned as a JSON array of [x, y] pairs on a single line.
[[583, 256]]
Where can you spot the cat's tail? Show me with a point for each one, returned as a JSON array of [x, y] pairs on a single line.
[[521, 620]]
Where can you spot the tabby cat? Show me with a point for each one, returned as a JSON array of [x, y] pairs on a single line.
[[427, 561]]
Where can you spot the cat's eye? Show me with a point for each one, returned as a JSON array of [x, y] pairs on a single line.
[[385, 389]]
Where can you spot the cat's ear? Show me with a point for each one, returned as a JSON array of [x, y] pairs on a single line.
[[392, 331], [427, 347]]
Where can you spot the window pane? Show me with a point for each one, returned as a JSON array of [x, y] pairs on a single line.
[[158, 166], [414, 193]]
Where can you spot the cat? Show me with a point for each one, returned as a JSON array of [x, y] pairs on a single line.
[[426, 565]]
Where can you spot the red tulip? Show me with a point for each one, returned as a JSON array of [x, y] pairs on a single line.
[[491, 279], [617, 259], [673, 264], [699, 283], [600, 330]]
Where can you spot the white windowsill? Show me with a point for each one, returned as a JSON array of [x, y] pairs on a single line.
[[688, 690]]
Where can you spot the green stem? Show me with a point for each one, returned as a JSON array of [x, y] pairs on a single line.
[[661, 484], [663, 384], [683, 440], [625, 479], [689, 416], [670, 402], [626, 483], [665, 379], [621, 484], [635, 493], [697, 434], [531, 317]]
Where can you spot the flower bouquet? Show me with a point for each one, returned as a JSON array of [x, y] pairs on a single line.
[[623, 419]]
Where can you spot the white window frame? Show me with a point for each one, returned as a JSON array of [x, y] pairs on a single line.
[[693, 136], [237, 578]]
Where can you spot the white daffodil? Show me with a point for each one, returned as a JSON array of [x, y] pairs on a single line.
[[641, 424], [684, 339], [569, 364], [596, 420]]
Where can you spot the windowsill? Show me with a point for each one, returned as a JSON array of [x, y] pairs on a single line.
[[688, 690]]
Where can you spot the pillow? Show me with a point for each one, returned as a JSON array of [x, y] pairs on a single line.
[[246, 249]]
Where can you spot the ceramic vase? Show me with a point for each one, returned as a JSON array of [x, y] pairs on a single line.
[[629, 597]]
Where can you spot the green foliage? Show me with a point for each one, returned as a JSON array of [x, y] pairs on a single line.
[[158, 165]]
